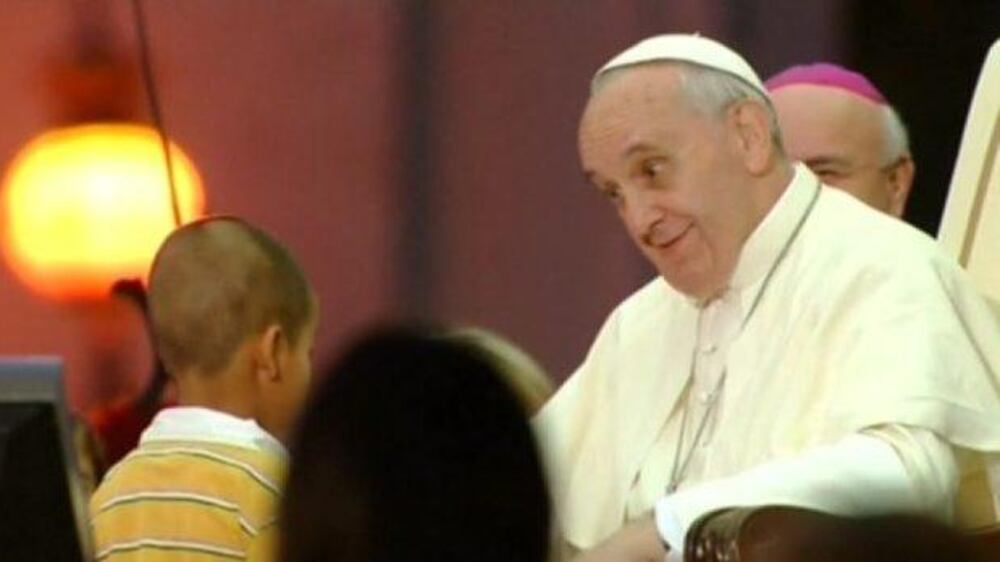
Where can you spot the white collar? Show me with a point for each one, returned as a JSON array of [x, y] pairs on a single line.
[[766, 243], [190, 423]]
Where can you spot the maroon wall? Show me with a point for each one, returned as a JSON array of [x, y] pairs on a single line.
[[419, 157]]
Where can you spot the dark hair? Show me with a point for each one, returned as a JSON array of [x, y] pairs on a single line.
[[413, 448], [215, 282]]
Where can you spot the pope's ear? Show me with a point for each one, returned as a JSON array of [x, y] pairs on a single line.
[[751, 126]]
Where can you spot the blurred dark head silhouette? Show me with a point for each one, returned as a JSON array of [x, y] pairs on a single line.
[[413, 448]]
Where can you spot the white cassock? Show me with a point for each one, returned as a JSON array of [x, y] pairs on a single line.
[[859, 374]]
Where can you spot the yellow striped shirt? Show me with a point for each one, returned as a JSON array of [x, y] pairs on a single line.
[[202, 499]]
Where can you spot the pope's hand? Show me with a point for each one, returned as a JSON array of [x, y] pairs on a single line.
[[636, 542]]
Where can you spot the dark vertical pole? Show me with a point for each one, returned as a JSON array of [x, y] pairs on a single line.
[[741, 26], [416, 62], [149, 80]]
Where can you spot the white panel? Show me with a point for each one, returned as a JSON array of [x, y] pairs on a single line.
[[984, 255], [970, 227]]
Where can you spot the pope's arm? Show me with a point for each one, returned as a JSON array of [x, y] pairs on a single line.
[[890, 469]]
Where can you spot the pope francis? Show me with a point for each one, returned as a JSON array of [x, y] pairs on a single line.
[[797, 347]]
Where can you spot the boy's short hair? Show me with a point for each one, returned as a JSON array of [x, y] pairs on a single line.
[[214, 283]]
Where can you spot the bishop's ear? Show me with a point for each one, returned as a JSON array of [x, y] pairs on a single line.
[[900, 179], [751, 124]]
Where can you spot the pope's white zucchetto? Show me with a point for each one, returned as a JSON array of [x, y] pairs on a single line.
[[693, 49]]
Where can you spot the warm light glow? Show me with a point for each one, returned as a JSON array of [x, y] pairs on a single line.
[[87, 205]]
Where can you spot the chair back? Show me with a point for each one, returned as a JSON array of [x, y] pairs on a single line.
[[970, 225]]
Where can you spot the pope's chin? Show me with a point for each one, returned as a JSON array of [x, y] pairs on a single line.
[[693, 286], [688, 276], [686, 271]]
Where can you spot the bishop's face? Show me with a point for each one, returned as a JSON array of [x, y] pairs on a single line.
[[673, 175], [842, 138]]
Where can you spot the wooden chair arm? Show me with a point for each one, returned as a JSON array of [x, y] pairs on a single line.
[[787, 534]]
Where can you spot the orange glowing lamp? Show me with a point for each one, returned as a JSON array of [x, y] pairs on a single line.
[[84, 206]]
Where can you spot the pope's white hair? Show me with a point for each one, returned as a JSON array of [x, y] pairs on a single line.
[[709, 91]]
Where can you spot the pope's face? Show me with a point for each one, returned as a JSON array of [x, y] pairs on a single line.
[[841, 137], [673, 173]]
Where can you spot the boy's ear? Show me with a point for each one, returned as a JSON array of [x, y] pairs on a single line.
[[269, 349]]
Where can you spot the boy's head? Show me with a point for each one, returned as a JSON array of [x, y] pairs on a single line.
[[233, 319]]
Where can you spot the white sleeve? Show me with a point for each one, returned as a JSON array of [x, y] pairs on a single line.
[[893, 469]]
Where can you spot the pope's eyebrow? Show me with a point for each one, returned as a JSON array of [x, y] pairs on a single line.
[[826, 161], [635, 147]]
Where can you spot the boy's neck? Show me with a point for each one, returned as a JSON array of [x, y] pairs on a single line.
[[226, 392]]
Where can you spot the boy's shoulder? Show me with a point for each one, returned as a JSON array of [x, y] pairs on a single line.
[[228, 471], [223, 494]]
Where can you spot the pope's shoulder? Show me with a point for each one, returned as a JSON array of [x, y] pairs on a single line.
[[846, 234]]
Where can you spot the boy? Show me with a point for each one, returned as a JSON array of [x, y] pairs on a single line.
[[233, 319]]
